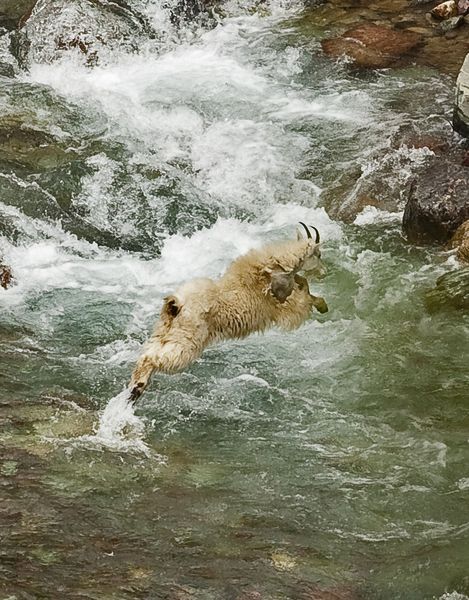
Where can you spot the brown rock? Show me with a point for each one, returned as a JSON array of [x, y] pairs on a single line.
[[439, 201], [405, 22], [445, 10], [460, 240], [6, 278], [443, 54], [421, 30], [372, 46]]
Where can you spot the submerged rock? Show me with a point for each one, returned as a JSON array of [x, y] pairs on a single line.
[[451, 291], [6, 70], [438, 202], [6, 277], [372, 46], [21, 145], [460, 242]]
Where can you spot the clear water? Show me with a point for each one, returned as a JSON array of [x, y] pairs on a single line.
[[331, 462]]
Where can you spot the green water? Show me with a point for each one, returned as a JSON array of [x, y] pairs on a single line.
[[330, 462]]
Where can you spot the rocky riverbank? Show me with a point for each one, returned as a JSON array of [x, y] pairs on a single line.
[[368, 31]]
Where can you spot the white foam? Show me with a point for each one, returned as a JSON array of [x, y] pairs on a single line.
[[118, 429], [371, 215]]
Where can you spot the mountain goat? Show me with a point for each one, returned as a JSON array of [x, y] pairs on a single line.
[[259, 290]]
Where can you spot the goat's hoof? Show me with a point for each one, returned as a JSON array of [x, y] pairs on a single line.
[[321, 305], [136, 391]]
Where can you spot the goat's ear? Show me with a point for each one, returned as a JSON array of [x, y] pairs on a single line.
[[281, 285], [299, 235], [171, 307]]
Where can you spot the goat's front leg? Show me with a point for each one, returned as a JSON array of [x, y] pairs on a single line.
[[319, 304]]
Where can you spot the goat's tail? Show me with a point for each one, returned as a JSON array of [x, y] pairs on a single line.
[[141, 377]]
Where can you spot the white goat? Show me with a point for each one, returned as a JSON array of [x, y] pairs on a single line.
[[259, 290]]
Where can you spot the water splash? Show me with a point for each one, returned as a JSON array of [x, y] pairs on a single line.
[[119, 429]]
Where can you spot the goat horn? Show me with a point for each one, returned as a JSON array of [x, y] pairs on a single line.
[[308, 232], [318, 239]]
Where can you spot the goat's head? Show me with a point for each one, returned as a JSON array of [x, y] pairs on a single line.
[[312, 265]]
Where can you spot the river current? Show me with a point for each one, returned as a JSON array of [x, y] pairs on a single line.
[[329, 462]]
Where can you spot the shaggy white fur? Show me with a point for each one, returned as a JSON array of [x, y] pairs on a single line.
[[259, 290]]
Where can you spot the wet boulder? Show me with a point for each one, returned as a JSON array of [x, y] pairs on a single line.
[[439, 201], [92, 29], [22, 145], [451, 291], [6, 70], [461, 108], [448, 25], [445, 10], [372, 46], [6, 277], [460, 242], [12, 11]]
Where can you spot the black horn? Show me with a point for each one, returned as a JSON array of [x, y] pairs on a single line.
[[308, 232], [318, 239]]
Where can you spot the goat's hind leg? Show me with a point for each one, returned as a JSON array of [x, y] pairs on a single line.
[[141, 376]]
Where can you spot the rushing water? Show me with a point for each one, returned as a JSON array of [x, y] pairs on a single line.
[[330, 462]]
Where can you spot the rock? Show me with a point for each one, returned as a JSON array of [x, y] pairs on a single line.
[[90, 28], [439, 201], [405, 22], [443, 54], [421, 30], [24, 146], [460, 241], [430, 19], [6, 277], [410, 136], [448, 25], [451, 291], [446, 10], [461, 108], [463, 7], [372, 46], [6, 70], [11, 12]]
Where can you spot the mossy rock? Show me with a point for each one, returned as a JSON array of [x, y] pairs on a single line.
[[22, 145], [451, 291]]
